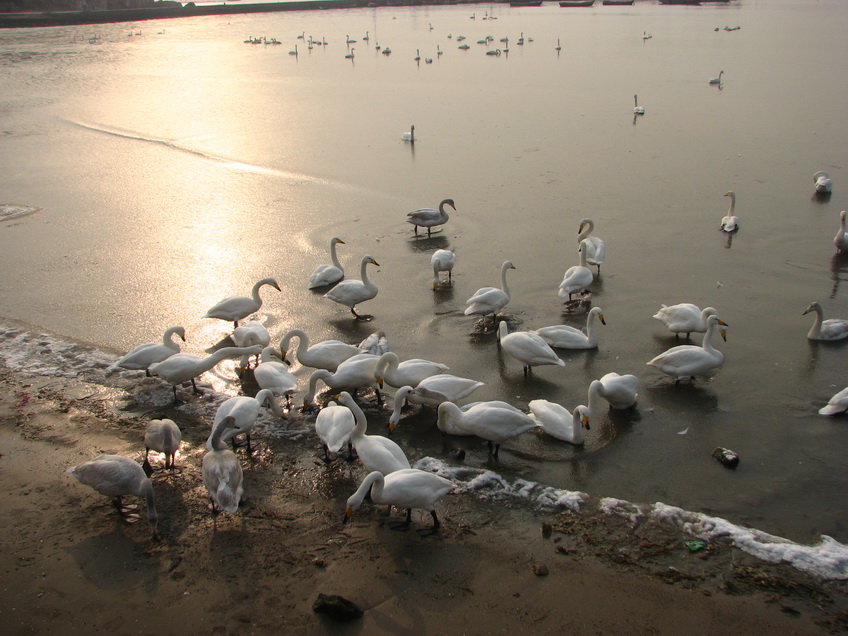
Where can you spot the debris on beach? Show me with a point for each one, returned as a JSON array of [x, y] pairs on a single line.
[[336, 607], [726, 457]]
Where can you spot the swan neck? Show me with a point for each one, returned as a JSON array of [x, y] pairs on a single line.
[[333, 256], [504, 286], [582, 251], [373, 481], [594, 399], [267, 395], [708, 337], [152, 516], [320, 374], [732, 205]]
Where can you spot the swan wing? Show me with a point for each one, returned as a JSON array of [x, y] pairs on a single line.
[[334, 425], [325, 275], [564, 337]]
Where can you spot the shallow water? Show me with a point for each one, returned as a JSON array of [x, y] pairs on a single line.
[[178, 165]]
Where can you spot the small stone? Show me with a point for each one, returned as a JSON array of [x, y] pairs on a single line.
[[336, 607], [547, 530], [726, 457], [319, 563], [540, 570]]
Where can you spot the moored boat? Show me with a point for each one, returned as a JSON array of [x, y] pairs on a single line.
[[576, 3]]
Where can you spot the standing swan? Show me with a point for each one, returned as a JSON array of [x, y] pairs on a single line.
[[333, 426], [578, 277], [243, 411], [163, 436], [620, 391], [595, 248], [235, 308], [841, 238], [830, 329], [430, 218], [374, 451], [411, 488], [442, 261], [566, 337], [685, 318], [327, 354], [730, 222], [353, 373], [152, 352], [222, 473], [274, 375], [328, 274], [716, 80], [490, 300], [824, 184], [116, 476], [494, 421], [432, 391], [390, 370], [527, 347], [352, 292], [637, 110], [687, 361]]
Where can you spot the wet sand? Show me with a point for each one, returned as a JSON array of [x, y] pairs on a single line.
[[69, 566]]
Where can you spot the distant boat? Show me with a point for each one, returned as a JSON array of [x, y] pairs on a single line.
[[525, 3], [690, 2], [576, 3], [618, 1]]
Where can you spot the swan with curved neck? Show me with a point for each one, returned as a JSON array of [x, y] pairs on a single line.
[[557, 422], [830, 329], [442, 261], [432, 391], [327, 274], [637, 110], [716, 80], [685, 318], [333, 426], [355, 372], [595, 248], [430, 218], [409, 136], [577, 277], [397, 374], [567, 337], [352, 292], [687, 361], [235, 308], [271, 373], [142, 356], [374, 451], [222, 472], [182, 367], [244, 410], [527, 347], [327, 354], [249, 334], [116, 476], [730, 222], [841, 238], [162, 436], [490, 300], [493, 421], [619, 391]]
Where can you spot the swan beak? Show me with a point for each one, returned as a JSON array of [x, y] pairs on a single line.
[[392, 426], [807, 310], [580, 229], [348, 513], [601, 318], [277, 286], [724, 334], [380, 382], [155, 536], [305, 406], [283, 353], [584, 422], [373, 262], [342, 242]]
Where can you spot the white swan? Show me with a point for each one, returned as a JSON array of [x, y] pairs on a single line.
[[376, 343], [528, 347], [620, 392], [687, 361], [824, 183], [351, 292], [374, 451], [567, 337], [430, 218], [249, 334], [162, 436], [333, 426], [350, 55], [495, 422], [442, 261], [390, 370], [685, 318], [411, 488], [716, 80], [730, 222], [837, 404], [596, 249], [432, 391], [557, 422], [116, 476], [841, 238], [409, 136], [578, 277], [353, 373], [244, 410], [236, 308], [144, 355], [182, 367], [327, 274], [274, 375], [830, 329], [637, 110], [328, 354], [222, 473], [490, 300]]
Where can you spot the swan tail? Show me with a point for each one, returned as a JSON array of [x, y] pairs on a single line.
[[832, 409]]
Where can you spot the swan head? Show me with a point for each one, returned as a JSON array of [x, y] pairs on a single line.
[[730, 194], [812, 307], [585, 223], [448, 202], [584, 415]]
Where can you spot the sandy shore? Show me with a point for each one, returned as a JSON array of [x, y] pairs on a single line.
[[70, 566]]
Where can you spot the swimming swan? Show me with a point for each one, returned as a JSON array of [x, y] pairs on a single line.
[[837, 404], [222, 473], [236, 308], [620, 392], [116, 476], [578, 277], [409, 136], [687, 361], [144, 355], [374, 451], [162, 436], [397, 374], [637, 110], [557, 422], [730, 222], [841, 238], [685, 318], [430, 218], [567, 337], [716, 80], [528, 347], [495, 422], [182, 367], [351, 292], [490, 300], [327, 354], [595, 248], [830, 329], [328, 274], [824, 184]]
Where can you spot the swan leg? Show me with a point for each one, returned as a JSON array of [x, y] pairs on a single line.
[[403, 525], [147, 373], [350, 455], [145, 465], [426, 532], [194, 387]]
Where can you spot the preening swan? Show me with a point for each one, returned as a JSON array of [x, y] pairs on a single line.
[[351, 292], [334, 425], [274, 375], [249, 334], [116, 476], [595, 248], [824, 184], [841, 238], [716, 80], [374, 451], [243, 410], [637, 110], [837, 404], [430, 218], [442, 261], [490, 300], [432, 391], [236, 308], [493, 421], [527, 347], [376, 343], [830, 329], [566, 337], [222, 473], [730, 222], [578, 277], [328, 274], [687, 361], [397, 374], [328, 354], [620, 391], [409, 136], [162, 436], [182, 367], [685, 318], [355, 372], [410, 488], [144, 355], [557, 422]]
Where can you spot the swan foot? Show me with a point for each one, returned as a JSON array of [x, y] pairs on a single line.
[[426, 532], [403, 525]]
